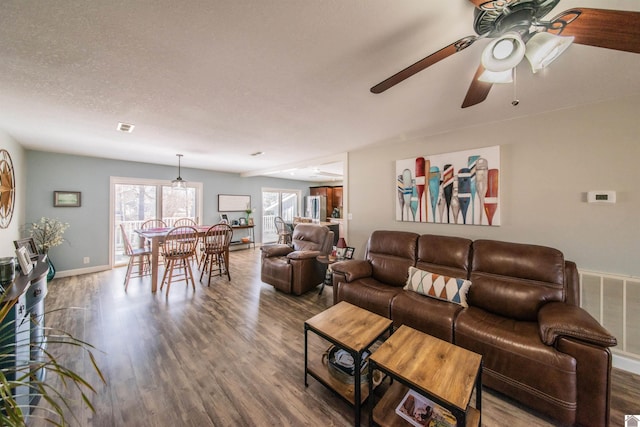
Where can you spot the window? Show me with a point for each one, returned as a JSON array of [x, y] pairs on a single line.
[[135, 200]]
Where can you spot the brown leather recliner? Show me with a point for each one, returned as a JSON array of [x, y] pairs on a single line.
[[293, 269]]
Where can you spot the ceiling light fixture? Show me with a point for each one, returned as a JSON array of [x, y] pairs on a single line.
[[503, 53], [125, 127], [497, 77], [179, 183], [544, 48]]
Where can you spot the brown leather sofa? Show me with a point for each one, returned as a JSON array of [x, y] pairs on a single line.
[[293, 268], [538, 346]]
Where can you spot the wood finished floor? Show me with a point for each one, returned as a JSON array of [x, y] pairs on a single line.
[[228, 355]]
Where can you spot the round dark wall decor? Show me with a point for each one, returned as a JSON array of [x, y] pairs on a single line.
[[7, 189]]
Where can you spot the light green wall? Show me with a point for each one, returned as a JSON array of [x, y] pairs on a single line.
[[548, 163], [12, 232], [88, 235]]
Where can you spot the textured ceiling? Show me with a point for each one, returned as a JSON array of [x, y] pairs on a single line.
[[219, 80]]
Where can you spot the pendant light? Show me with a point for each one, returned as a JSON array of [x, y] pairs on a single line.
[[179, 182]]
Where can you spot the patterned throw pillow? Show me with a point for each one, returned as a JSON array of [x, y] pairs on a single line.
[[438, 286]]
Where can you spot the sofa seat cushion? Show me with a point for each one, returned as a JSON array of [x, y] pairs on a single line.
[[516, 362], [431, 316], [369, 294]]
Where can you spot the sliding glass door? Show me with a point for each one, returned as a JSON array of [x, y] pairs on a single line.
[[283, 203], [135, 201]]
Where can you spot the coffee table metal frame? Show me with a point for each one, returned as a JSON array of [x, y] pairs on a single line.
[[459, 413], [355, 350]]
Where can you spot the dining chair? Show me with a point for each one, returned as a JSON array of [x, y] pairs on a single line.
[[283, 230], [216, 251], [184, 222], [178, 250], [138, 257], [188, 222], [154, 223]]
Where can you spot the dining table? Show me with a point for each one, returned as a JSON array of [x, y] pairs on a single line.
[[156, 236]]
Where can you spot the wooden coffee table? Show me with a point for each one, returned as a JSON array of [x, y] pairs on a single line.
[[436, 369], [352, 329]]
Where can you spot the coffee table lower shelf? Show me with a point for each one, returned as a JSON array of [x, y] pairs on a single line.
[[384, 413], [319, 371]]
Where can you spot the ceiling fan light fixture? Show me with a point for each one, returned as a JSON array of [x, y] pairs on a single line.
[[503, 53], [497, 77], [179, 183], [544, 48]]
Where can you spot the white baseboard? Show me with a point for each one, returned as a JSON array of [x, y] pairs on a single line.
[[77, 271], [626, 363]]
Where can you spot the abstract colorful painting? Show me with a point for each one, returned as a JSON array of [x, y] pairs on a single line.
[[452, 188]]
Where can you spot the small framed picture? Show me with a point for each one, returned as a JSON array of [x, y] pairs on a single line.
[[250, 222], [24, 260], [66, 199], [224, 218], [29, 244], [242, 221], [349, 252]]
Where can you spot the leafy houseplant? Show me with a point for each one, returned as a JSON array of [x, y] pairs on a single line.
[[17, 375]]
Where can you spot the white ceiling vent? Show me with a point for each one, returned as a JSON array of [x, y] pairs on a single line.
[[125, 127]]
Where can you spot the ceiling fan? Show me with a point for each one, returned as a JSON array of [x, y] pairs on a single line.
[[518, 30]]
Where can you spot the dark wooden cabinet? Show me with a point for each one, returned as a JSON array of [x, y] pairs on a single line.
[[332, 194], [337, 197]]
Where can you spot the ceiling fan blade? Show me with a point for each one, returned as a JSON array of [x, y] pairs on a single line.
[[443, 53], [478, 90], [611, 29]]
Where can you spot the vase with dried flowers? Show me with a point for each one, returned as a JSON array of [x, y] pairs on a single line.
[[47, 233]]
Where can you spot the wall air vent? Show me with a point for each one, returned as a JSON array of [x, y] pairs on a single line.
[[125, 127]]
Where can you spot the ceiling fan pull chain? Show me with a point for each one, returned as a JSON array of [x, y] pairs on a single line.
[[515, 101]]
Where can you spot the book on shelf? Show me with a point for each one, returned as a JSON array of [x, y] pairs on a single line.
[[423, 412]]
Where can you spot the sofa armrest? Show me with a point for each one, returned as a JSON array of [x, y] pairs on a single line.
[[303, 254], [269, 251], [558, 319], [352, 269]]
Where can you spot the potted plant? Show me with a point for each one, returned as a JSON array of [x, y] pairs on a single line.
[[249, 211], [17, 376]]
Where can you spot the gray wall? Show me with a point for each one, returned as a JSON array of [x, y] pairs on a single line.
[[88, 234], [548, 163]]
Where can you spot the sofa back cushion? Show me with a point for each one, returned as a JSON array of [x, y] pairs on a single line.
[[514, 280], [446, 255], [390, 254]]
